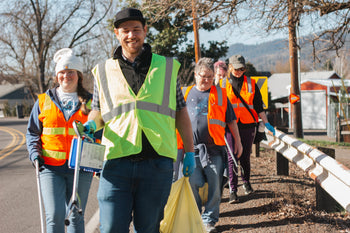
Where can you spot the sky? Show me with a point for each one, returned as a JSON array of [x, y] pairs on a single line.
[[233, 36], [249, 34]]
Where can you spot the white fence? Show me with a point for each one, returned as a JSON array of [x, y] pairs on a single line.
[[331, 175]]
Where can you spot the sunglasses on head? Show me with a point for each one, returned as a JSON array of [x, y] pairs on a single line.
[[240, 69]]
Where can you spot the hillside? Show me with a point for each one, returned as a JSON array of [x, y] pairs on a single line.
[[263, 56], [266, 56]]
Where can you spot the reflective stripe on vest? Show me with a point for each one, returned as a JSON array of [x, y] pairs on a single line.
[[242, 105], [220, 103], [162, 109], [54, 154], [57, 131]]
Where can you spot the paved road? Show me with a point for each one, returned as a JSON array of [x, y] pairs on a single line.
[[19, 209]]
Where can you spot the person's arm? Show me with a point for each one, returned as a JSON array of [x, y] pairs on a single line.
[[257, 100], [258, 107], [95, 115], [263, 117], [33, 135], [235, 133], [183, 125]]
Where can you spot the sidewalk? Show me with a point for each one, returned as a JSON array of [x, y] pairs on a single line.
[[7, 121]]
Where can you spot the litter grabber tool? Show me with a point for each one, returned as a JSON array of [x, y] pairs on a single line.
[[84, 154], [233, 158], [41, 207]]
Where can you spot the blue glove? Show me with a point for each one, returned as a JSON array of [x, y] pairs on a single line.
[[189, 164], [270, 128], [89, 128]]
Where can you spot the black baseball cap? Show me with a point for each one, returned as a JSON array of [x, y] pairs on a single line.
[[128, 14]]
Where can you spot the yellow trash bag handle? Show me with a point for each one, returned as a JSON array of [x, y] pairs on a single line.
[[181, 213]]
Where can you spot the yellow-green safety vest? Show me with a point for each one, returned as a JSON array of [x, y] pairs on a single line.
[[126, 114]]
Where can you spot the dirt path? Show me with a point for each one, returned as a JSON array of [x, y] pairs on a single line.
[[279, 204]]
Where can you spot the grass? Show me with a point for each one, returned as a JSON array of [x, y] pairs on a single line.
[[325, 143]]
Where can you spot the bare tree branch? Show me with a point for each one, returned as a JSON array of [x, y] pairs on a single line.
[[36, 29]]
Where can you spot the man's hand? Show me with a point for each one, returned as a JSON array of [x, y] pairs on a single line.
[[189, 164], [41, 162], [90, 127]]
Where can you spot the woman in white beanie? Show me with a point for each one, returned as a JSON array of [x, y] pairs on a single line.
[[49, 135]]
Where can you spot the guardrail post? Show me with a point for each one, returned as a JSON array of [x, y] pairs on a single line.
[[282, 163], [324, 201]]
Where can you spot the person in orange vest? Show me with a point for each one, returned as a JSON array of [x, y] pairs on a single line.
[[178, 164], [210, 112], [49, 135], [239, 84]]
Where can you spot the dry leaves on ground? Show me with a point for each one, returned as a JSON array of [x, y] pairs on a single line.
[[279, 203]]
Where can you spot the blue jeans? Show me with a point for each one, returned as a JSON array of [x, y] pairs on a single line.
[[137, 190], [56, 189], [212, 174]]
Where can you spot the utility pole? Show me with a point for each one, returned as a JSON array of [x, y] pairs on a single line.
[[197, 49], [293, 60]]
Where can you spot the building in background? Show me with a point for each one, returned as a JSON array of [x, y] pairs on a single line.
[[320, 94], [14, 96]]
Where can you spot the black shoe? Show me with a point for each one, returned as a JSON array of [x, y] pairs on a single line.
[[247, 188], [233, 197]]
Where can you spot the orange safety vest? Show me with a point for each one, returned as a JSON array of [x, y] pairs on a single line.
[[247, 93], [180, 144], [217, 107], [57, 133]]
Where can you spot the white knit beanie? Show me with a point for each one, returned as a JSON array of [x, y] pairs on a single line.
[[65, 60]]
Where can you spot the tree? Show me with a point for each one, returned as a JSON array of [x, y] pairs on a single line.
[[290, 14], [171, 23], [250, 70], [327, 20], [33, 30], [328, 65]]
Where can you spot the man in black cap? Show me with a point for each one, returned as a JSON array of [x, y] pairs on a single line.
[[138, 101]]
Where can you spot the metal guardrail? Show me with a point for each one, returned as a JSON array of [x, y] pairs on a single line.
[[331, 175]]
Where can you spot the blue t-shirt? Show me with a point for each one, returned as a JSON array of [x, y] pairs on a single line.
[[197, 107]]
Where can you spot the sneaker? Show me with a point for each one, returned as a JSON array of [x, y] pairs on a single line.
[[210, 227], [233, 197], [247, 188]]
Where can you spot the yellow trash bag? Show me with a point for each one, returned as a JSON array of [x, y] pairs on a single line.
[[181, 213]]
